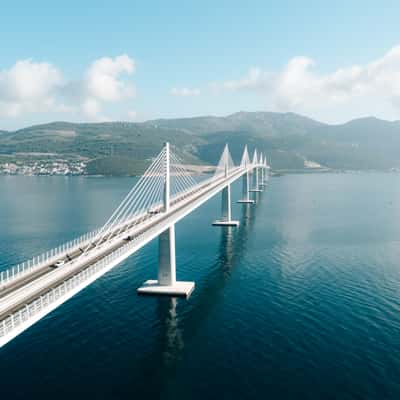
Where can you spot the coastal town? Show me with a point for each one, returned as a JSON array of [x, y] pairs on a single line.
[[43, 167]]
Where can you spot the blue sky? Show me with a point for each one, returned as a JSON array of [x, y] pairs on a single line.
[[127, 60]]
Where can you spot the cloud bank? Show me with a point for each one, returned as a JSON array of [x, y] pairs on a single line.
[[372, 88], [32, 87], [28, 87]]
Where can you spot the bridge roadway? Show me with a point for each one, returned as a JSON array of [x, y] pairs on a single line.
[[23, 291]]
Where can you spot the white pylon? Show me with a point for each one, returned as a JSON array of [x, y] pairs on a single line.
[[226, 208], [267, 169], [166, 283], [167, 182], [262, 170], [255, 157], [255, 166], [245, 163]]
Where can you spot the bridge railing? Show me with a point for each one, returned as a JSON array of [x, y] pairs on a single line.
[[47, 258], [14, 320], [62, 292], [51, 256]]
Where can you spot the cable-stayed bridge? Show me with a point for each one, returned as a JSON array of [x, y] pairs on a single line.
[[163, 195]]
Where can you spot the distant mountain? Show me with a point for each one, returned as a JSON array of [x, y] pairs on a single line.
[[258, 123], [289, 140], [365, 143], [93, 140]]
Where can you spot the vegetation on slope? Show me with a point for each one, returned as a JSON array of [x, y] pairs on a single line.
[[119, 148]]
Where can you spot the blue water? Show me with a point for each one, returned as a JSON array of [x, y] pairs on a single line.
[[301, 302]]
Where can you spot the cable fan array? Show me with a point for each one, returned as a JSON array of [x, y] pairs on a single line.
[[146, 198], [182, 179]]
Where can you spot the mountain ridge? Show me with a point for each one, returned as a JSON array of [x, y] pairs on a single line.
[[289, 139]]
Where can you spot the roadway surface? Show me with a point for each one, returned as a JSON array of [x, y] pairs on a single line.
[[30, 287]]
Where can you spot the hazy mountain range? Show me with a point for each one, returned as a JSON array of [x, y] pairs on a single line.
[[287, 138]]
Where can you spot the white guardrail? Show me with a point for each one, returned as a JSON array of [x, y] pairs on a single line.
[[46, 258], [51, 256], [30, 310]]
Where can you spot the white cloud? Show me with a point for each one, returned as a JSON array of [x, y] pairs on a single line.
[[104, 81], [185, 92], [255, 78], [373, 88], [32, 87], [28, 87], [104, 84]]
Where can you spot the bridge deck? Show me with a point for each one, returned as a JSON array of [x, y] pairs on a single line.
[[24, 291], [34, 288]]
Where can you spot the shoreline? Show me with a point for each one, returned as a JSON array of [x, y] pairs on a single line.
[[275, 173]]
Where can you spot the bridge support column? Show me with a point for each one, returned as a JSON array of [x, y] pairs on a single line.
[[266, 174], [226, 219], [262, 181], [166, 257], [256, 182], [246, 190], [166, 283]]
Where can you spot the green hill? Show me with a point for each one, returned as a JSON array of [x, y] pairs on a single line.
[[257, 123], [138, 141], [121, 148]]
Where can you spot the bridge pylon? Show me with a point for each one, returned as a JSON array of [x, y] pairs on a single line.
[[255, 162], [262, 171], [266, 171], [166, 284], [226, 206], [246, 178]]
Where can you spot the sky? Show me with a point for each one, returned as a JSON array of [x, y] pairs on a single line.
[[134, 61]]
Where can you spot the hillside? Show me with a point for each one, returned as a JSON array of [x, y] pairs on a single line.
[[366, 143], [93, 140], [120, 148], [258, 123]]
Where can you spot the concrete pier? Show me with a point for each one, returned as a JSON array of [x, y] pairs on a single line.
[[180, 289], [226, 209], [166, 283], [246, 190]]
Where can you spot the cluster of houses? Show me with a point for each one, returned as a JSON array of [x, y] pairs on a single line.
[[59, 167]]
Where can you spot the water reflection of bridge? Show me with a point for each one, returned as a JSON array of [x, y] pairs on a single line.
[[176, 329]]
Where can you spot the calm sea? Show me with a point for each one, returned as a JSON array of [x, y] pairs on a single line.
[[301, 302]]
